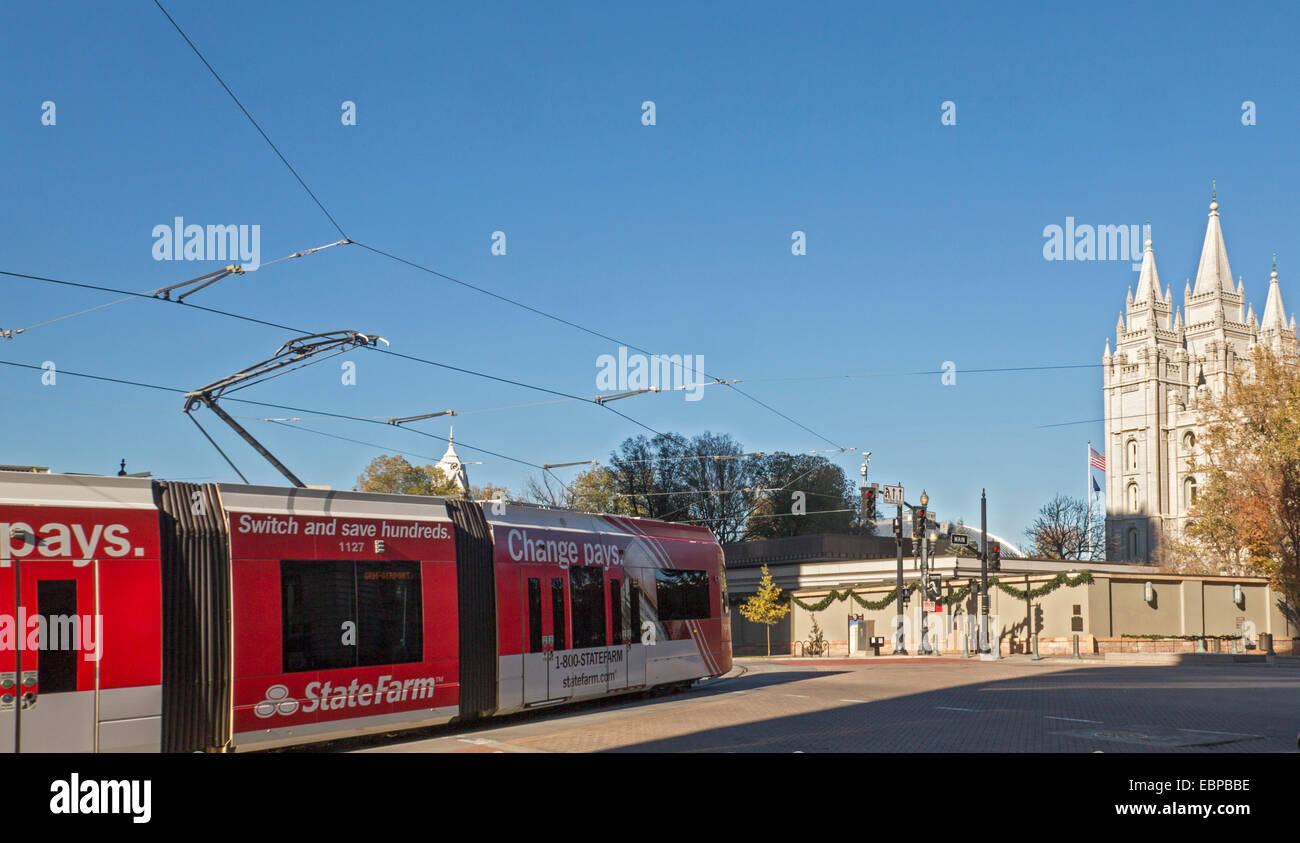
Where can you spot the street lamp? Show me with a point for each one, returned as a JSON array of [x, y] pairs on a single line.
[[925, 572]]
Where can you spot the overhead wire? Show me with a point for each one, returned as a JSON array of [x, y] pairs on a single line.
[[482, 290], [243, 317], [143, 385], [150, 294], [264, 135]]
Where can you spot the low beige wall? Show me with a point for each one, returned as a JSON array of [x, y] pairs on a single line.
[[1100, 612]]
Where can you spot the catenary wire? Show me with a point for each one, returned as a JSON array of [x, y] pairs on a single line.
[[320, 205]]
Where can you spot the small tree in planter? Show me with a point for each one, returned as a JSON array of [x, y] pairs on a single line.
[[765, 607], [816, 639]]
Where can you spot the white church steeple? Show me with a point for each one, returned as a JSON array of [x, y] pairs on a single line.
[[451, 465]]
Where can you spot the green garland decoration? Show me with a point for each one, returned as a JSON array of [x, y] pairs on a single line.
[[1046, 588], [834, 595], [1157, 637], [949, 599]]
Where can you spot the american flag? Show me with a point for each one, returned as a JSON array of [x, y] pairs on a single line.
[[1096, 460]]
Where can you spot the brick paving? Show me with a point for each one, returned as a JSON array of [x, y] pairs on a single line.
[[919, 705]]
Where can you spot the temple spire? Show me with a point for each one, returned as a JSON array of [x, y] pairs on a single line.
[[1213, 272], [1274, 316], [1149, 281]]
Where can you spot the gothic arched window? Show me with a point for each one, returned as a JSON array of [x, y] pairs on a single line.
[[1189, 491], [1132, 543], [1132, 455], [1132, 497]]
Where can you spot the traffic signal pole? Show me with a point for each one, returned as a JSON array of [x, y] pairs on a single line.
[[900, 644], [921, 517], [983, 573], [924, 649]]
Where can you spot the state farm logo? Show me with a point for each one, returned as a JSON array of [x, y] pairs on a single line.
[[277, 701], [328, 696]]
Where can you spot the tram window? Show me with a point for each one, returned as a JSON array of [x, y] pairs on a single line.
[[615, 612], [317, 598], [682, 595], [389, 622], [557, 611], [534, 615], [380, 600], [587, 596], [56, 602]]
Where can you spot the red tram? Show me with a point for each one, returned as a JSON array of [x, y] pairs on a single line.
[[140, 615]]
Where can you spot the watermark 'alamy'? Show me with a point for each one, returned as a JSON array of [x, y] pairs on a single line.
[[1094, 243], [133, 797], [181, 242], [658, 371], [55, 632]]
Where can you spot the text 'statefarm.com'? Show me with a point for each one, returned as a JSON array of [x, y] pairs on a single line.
[[75, 795]]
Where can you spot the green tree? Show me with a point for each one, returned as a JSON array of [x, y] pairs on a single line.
[[487, 492], [765, 607], [802, 494], [594, 490], [396, 476], [702, 480]]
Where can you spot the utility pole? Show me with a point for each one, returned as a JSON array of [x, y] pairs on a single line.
[[900, 645], [984, 574], [924, 649]]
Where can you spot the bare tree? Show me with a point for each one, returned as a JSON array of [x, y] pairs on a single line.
[[1064, 529]]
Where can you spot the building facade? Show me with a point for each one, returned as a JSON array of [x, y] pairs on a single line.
[[1167, 360], [1114, 612]]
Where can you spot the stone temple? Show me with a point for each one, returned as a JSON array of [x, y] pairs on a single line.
[[1167, 359]]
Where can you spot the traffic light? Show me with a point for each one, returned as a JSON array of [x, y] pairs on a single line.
[[918, 523], [995, 557], [869, 504], [935, 587], [898, 527]]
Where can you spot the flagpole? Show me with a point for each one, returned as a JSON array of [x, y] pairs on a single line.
[[1087, 499]]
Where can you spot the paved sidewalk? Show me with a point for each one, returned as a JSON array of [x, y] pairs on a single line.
[[921, 705]]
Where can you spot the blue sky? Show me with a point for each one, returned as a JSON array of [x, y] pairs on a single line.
[[924, 241]]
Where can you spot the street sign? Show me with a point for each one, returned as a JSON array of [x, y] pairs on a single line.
[[959, 538], [893, 495], [933, 607]]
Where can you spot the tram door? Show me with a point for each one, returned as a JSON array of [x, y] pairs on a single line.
[[619, 633], [49, 655], [630, 602], [545, 629]]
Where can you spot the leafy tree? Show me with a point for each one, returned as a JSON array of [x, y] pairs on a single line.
[[802, 494], [1065, 530], [594, 490], [395, 475], [701, 480], [1246, 514], [765, 607], [488, 492]]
